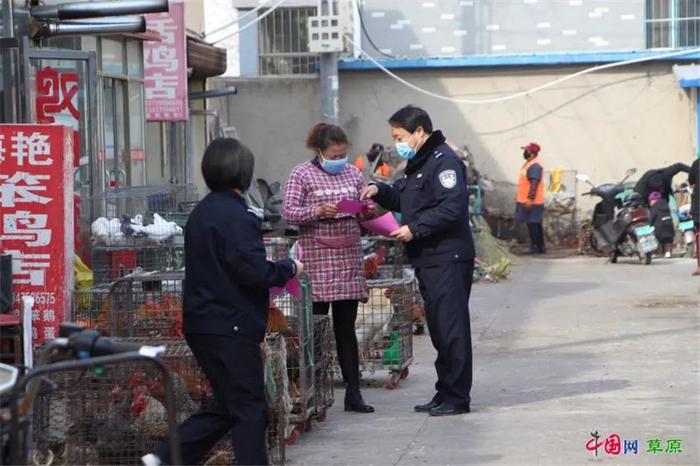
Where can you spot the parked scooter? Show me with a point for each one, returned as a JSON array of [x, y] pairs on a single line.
[[620, 221], [266, 199], [686, 225]]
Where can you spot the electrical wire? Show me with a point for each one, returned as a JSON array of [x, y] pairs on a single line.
[[529, 91], [255, 21], [364, 29], [239, 19]]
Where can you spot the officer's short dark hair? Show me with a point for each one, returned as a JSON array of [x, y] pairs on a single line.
[[323, 135], [227, 165], [410, 118]]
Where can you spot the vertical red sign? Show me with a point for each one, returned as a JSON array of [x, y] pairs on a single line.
[[36, 219], [165, 66]]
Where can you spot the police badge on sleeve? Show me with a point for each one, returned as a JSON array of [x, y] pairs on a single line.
[[448, 179]]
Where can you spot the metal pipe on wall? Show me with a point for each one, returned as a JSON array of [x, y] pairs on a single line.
[[81, 10], [136, 24]]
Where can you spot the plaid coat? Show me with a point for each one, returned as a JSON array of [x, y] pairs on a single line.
[[336, 272]]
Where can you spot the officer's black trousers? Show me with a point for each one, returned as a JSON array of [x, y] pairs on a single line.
[[445, 289], [234, 367], [344, 316], [536, 237]]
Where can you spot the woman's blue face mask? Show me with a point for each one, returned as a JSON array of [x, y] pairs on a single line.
[[333, 166]]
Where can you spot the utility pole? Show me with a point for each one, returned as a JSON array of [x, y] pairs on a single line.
[[329, 74]]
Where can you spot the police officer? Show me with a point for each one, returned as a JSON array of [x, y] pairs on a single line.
[[433, 201], [225, 305]]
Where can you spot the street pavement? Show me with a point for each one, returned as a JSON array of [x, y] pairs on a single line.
[[563, 349]]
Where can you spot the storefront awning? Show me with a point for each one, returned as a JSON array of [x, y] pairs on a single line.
[[204, 59]]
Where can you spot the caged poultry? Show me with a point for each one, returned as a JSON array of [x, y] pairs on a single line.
[[291, 317], [139, 305], [384, 328]]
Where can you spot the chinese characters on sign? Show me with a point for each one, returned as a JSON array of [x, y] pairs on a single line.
[[165, 66], [614, 445], [36, 218]]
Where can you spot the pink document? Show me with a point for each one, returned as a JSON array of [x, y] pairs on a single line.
[[382, 225]]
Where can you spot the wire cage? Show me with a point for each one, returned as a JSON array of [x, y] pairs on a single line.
[[323, 371], [293, 317], [147, 305], [144, 205], [384, 328], [110, 263], [384, 258], [116, 414], [110, 415], [279, 404]]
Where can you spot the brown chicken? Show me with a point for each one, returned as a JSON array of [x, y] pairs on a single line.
[[276, 320]]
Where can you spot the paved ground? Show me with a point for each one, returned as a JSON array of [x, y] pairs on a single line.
[[566, 347]]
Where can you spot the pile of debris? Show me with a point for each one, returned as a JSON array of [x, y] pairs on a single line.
[[494, 260]]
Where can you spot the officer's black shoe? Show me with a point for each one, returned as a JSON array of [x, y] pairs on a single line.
[[426, 407], [447, 409], [355, 403]]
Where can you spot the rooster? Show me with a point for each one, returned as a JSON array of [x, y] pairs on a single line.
[[276, 320]]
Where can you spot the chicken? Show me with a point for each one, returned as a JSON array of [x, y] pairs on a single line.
[[151, 416], [373, 316], [185, 406], [276, 320]]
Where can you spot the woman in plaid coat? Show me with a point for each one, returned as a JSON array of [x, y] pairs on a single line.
[[330, 241]]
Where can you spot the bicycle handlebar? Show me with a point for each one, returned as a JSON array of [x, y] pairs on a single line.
[[90, 342]]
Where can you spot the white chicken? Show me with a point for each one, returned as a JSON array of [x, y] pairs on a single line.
[[373, 316]]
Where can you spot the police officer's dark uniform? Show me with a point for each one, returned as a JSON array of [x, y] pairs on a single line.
[[225, 315], [433, 201]]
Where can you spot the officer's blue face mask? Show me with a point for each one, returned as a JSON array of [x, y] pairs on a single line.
[[333, 166], [405, 150]]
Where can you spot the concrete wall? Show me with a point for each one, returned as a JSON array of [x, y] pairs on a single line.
[[601, 123]]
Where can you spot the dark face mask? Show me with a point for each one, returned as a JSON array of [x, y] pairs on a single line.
[[526, 155]]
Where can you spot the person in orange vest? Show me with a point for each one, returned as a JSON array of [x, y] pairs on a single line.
[[372, 166], [530, 198]]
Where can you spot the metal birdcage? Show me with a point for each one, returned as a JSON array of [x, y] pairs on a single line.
[[279, 404], [384, 328], [111, 415], [115, 414], [147, 305], [110, 263], [384, 258], [323, 371], [293, 317]]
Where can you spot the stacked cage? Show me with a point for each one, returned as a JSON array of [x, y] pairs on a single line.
[[135, 228], [292, 317], [323, 370], [117, 414], [384, 328], [146, 305], [110, 415]]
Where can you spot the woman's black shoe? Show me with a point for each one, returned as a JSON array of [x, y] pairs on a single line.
[[355, 403]]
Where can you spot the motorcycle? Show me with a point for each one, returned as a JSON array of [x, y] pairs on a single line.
[[265, 199], [620, 221], [686, 225]]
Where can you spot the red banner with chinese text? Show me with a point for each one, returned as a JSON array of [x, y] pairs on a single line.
[[165, 66], [36, 219]]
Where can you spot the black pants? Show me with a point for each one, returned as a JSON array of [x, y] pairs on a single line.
[[536, 237], [446, 289], [235, 370], [344, 316]]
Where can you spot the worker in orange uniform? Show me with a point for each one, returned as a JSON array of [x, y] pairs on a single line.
[[530, 198], [372, 166]]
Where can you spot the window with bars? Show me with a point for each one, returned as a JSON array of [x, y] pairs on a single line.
[[284, 43], [672, 23]]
